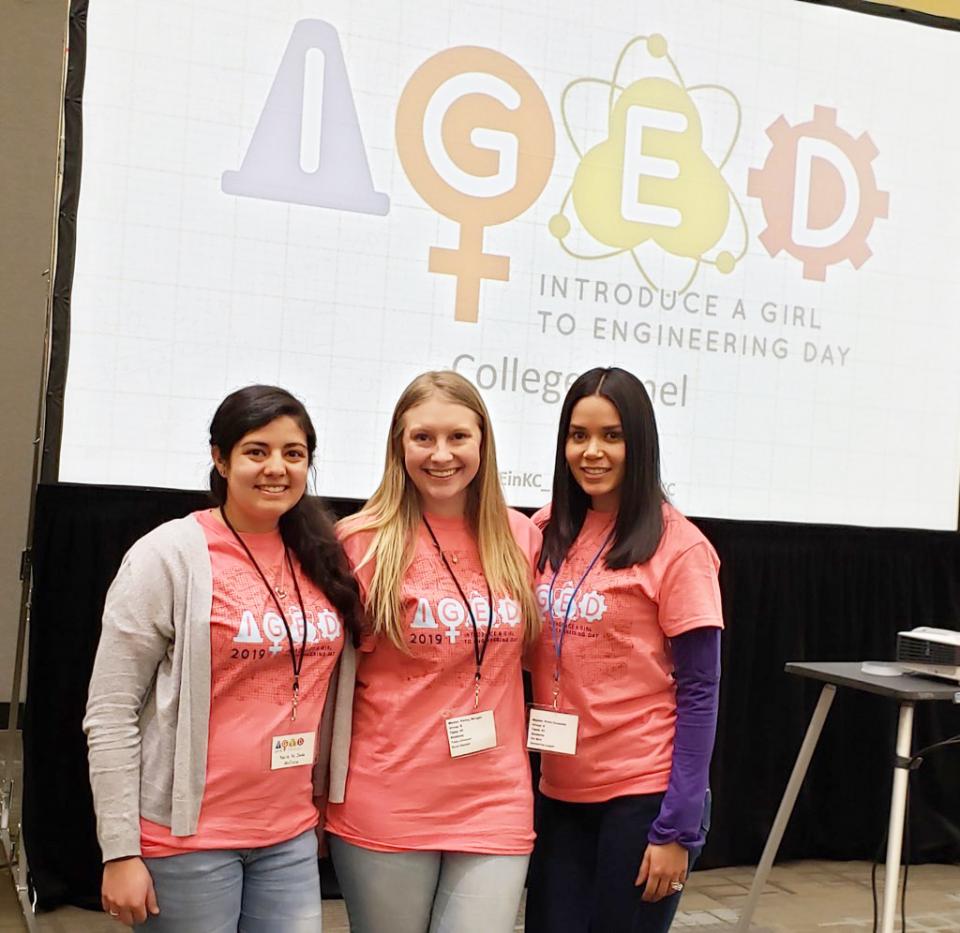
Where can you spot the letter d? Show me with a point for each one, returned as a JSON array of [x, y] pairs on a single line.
[[808, 149]]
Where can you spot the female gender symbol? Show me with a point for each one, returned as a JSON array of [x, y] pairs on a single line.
[[475, 137]]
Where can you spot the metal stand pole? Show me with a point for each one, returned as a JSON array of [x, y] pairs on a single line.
[[786, 804], [13, 717], [898, 800]]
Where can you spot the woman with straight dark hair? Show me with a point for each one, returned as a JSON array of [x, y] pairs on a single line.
[[625, 674], [222, 633]]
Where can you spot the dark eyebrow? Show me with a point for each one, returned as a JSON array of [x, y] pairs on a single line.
[[255, 443], [607, 427]]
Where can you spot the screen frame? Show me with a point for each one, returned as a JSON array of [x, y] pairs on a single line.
[[55, 378]]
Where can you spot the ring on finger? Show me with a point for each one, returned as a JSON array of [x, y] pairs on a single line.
[[676, 886]]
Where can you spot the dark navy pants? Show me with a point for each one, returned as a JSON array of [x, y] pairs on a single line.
[[586, 860]]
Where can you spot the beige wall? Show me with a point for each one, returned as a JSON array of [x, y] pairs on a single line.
[[32, 43]]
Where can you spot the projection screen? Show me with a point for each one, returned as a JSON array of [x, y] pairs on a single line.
[[751, 205]]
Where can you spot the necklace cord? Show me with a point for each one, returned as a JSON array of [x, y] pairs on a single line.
[[558, 643], [297, 663], [479, 653]]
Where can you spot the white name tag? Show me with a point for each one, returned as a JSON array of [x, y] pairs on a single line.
[[549, 730], [468, 735], [292, 751]]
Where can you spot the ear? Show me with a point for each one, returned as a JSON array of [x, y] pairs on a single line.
[[219, 463]]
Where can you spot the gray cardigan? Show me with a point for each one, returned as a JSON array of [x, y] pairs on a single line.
[[148, 709]]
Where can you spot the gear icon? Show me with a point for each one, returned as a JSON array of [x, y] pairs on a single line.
[[508, 613], [592, 606], [775, 185]]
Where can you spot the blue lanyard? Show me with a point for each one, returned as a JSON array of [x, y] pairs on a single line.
[[558, 642]]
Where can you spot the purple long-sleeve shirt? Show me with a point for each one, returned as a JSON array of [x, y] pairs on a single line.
[[696, 658]]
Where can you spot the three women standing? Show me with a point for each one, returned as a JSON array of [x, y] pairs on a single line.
[[222, 632]]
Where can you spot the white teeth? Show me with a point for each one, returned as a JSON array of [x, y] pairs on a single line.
[[273, 488], [595, 471], [441, 474]]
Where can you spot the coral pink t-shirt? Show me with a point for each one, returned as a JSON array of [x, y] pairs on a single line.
[[616, 668], [404, 791], [245, 803]]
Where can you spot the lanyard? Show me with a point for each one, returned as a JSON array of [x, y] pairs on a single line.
[[479, 651], [297, 663], [558, 642]]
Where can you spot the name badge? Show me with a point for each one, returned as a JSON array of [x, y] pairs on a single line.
[[292, 751], [468, 735], [549, 730]]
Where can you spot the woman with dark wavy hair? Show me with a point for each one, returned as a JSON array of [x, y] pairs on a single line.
[[210, 716], [625, 674]]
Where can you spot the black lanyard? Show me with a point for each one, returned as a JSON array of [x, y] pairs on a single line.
[[479, 651], [297, 663]]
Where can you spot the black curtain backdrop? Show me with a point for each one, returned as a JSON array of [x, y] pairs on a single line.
[[791, 592]]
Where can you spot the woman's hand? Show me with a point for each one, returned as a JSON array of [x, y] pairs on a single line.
[[661, 866], [127, 892]]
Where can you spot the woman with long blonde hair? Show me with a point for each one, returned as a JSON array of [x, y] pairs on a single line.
[[436, 828]]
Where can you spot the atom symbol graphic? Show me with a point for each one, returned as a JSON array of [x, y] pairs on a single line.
[[649, 181]]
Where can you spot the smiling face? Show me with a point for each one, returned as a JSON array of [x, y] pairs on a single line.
[[441, 453], [596, 451], [266, 474]]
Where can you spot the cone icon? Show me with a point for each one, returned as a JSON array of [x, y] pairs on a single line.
[[273, 165]]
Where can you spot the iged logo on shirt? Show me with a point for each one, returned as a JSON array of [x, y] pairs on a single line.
[[589, 605], [447, 619]]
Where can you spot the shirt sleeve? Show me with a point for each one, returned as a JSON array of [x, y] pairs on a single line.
[[689, 591], [355, 547], [696, 656], [532, 550], [527, 535], [136, 632], [541, 518]]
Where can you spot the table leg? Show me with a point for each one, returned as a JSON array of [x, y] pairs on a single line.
[[786, 804], [898, 800]]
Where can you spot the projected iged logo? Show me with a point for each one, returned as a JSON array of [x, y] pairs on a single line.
[[476, 139]]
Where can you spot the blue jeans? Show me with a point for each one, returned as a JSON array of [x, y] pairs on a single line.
[[586, 860], [428, 891], [275, 889]]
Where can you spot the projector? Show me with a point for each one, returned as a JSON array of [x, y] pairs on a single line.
[[932, 651]]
